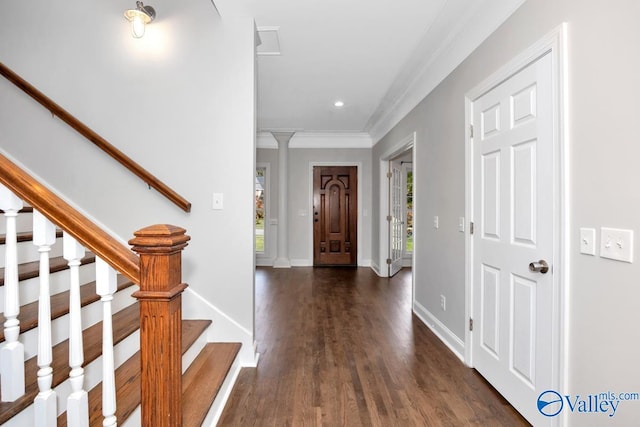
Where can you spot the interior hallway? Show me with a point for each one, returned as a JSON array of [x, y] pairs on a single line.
[[340, 347]]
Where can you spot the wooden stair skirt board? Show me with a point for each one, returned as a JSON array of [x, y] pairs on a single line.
[[202, 379]]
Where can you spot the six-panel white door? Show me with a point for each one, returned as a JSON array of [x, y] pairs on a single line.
[[513, 163]]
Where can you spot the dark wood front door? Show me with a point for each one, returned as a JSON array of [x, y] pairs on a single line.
[[335, 215]]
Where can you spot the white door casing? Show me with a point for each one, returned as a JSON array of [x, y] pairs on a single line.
[[516, 198]]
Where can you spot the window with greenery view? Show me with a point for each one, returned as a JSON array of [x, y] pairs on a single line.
[[261, 174], [409, 211]]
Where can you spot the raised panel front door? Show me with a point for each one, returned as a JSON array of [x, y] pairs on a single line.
[[335, 213]]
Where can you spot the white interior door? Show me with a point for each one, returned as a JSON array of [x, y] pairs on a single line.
[[396, 218], [513, 210]]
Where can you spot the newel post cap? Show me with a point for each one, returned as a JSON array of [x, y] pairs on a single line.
[[159, 239]]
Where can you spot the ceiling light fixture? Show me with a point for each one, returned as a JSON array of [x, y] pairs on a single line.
[[139, 17], [339, 104]]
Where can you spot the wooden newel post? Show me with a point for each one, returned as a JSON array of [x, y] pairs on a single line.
[[160, 249]]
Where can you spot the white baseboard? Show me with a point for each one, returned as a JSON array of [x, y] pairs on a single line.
[[224, 328], [376, 268], [264, 262], [451, 340]]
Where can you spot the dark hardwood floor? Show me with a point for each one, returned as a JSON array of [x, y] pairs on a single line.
[[340, 347]]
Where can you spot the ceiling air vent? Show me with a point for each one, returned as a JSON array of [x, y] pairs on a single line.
[[269, 43]]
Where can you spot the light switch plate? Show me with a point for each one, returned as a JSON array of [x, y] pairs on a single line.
[[436, 222], [588, 241], [461, 224], [616, 244], [218, 201]]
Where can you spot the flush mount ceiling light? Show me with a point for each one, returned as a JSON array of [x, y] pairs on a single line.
[[338, 104], [139, 17]]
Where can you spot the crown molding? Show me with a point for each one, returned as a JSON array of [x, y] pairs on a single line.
[[318, 140], [444, 48]]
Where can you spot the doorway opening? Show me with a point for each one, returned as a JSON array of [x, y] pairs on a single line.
[[397, 208]]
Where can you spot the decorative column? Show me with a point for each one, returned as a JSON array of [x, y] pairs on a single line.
[[160, 296], [282, 259]]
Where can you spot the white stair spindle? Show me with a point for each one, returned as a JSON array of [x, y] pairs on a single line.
[[106, 287], [12, 352], [77, 402], [45, 408]]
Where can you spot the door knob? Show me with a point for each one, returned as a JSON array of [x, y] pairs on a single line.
[[539, 267]]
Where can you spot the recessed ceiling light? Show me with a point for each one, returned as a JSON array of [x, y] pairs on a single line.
[[339, 104]]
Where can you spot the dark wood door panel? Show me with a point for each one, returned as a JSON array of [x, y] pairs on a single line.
[[335, 213]]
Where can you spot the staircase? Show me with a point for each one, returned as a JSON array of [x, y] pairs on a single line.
[[82, 364]]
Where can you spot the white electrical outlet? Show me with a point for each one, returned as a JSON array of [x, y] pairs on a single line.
[[443, 303], [436, 222]]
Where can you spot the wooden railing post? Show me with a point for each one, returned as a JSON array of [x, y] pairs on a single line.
[[160, 295]]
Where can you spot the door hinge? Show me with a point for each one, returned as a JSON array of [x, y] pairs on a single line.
[[388, 261], [470, 324], [471, 228], [389, 175], [471, 131], [389, 218]]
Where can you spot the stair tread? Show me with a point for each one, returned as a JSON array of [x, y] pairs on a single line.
[[203, 379], [125, 322], [59, 305], [128, 380], [29, 270], [24, 236]]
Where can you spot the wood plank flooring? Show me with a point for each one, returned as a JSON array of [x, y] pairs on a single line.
[[340, 347]]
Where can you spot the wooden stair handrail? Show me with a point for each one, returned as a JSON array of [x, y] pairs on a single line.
[[92, 136], [102, 244]]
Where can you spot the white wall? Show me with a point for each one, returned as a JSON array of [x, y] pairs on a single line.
[[604, 62], [300, 216], [180, 101]]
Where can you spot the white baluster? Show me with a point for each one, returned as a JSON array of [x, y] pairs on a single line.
[[44, 236], [77, 402], [12, 352], [106, 287]]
